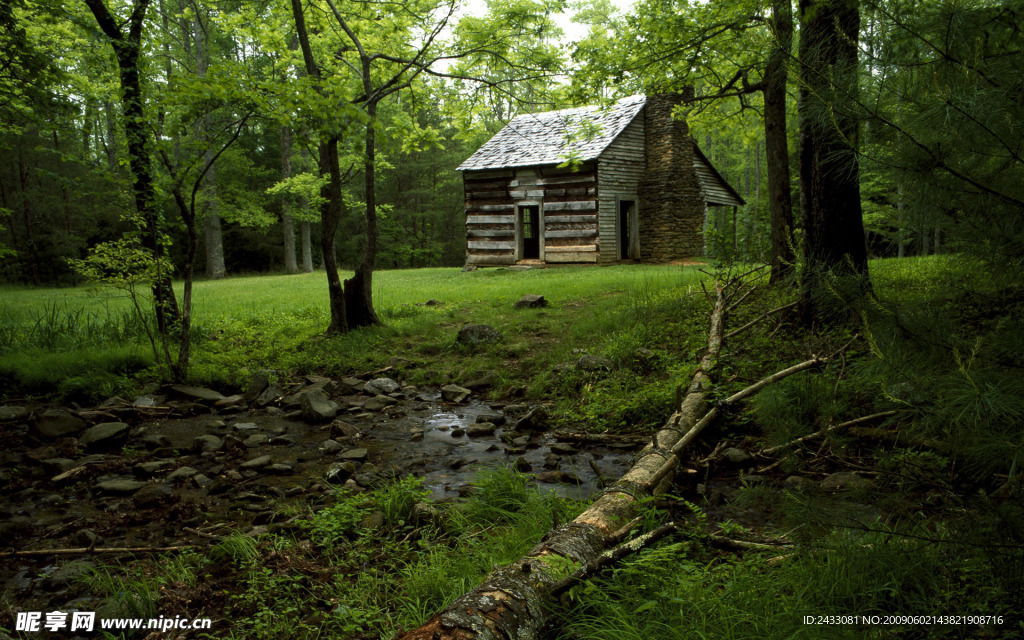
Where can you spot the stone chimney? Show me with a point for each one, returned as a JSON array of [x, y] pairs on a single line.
[[671, 200]]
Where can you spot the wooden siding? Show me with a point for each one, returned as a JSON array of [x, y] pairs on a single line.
[[716, 193], [619, 171]]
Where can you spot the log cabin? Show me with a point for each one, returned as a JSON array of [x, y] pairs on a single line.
[[624, 183]]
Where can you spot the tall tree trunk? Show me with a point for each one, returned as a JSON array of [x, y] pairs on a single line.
[[26, 215], [330, 211], [753, 233], [359, 288], [287, 224], [127, 49], [780, 200], [829, 175], [305, 233], [213, 238]]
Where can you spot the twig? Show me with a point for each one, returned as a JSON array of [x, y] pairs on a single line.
[[601, 480], [373, 373], [202, 534], [759, 318], [817, 434], [746, 545], [86, 550], [749, 291]]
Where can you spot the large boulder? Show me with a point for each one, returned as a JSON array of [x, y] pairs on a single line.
[[57, 423], [13, 413], [476, 334], [454, 393], [376, 403], [257, 385], [199, 394], [317, 407], [108, 435], [530, 301]]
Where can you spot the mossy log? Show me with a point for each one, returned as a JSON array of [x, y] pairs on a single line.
[[512, 601]]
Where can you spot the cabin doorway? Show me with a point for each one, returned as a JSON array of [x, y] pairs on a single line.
[[627, 230], [529, 227]]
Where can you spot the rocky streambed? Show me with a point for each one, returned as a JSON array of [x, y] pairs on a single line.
[[181, 464]]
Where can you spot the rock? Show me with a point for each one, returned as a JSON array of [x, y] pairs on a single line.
[[481, 380], [734, 455], [152, 495], [207, 443], [246, 427], [594, 363], [350, 386], [554, 477], [530, 301], [535, 419], [280, 468], [522, 465], [846, 480], [521, 441], [68, 574], [330, 447], [398, 362], [119, 487], [269, 395], [354, 455], [431, 303], [257, 385], [469, 267], [339, 472], [454, 393], [342, 429], [182, 474], [476, 334], [317, 407], [57, 423], [375, 520], [206, 396], [230, 401], [41, 453], [564, 449], [144, 402], [458, 432], [256, 463], [11, 413], [416, 435], [481, 429], [108, 435], [381, 386], [377, 403], [798, 483], [56, 466], [150, 469], [256, 440], [155, 441], [643, 357], [754, 479], [492, 417]]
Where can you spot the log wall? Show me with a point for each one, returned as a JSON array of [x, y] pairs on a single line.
[[568, 213]]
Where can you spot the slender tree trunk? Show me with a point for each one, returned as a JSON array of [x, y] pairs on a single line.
[[213, 238], [305, 234], [780, 200], [829, 175], [26, 216], [359, 288], [127, 49], [109, 138], [753, 232], [287, 224]]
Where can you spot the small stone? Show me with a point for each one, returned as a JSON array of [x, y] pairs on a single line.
[[381, 386], [256, 440], [11, 413], [207, 443], [458, 432], [521, 441], [530, 301], [144, 402], [798, 483], [736, 456], [57, 423], [554, 477], [481, 381], [243, 427], [68, 574], [233, 475], [536, 419], [564, 449], [492, 417], [522, 465], [339, 472], [354, 455], [152, 495], [416, 435], [155, 441], [317, 407], [55, 466], [431, 303], [454, 393], [379, 402], [477, 334], [846, 480], [342, 429], [150, 469], [182, 474], [256, 463], [330, 447], [106, 435], [208, 396], [280, 468], [594, 363], [230, 401], [481, 429], [119, 487]]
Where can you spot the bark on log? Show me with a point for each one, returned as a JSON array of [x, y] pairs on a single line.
[[510, 603]]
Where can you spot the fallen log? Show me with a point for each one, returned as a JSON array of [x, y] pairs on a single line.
[[510, 603], [89, 550]]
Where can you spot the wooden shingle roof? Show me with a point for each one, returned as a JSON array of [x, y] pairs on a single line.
[[553, 137]]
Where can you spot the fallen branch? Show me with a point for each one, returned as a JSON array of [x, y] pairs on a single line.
[[87, 550], [817, 434], [512, 601], [736, 332]]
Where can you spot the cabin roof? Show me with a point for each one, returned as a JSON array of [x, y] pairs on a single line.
[[555, 136]]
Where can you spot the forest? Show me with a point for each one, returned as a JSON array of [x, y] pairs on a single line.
[[249, 390]]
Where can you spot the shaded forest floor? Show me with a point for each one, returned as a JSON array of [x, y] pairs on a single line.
[[915, 513]]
